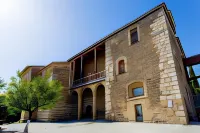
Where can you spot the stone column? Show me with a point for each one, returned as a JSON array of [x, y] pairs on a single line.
[[94, 104], [79, 104]]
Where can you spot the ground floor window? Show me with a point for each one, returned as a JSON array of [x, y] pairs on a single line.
[[138, 92], [135, 90], [138, 113]]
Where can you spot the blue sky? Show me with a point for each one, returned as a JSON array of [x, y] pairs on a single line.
[[37, 32]]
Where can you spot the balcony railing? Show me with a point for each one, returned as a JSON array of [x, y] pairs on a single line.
[[90, 79]]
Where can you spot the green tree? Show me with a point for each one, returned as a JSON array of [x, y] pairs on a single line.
[[3, 108], [6, 111], [194, 83], [41, 92], [2, 99], [2, 84]]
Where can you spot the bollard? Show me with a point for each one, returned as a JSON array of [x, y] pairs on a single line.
[[26, 127]]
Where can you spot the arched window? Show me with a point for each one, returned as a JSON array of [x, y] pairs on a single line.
[[136, 89], [121, 66]]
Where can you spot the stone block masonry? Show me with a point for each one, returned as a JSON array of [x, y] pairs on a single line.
[[109, 79], [153, 64], [169, 86]]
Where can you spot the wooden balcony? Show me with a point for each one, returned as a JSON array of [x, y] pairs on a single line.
[[89, 79]]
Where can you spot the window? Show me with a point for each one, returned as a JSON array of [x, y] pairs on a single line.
[[121, 67], [134, 36], [138, 113], [138, 92]]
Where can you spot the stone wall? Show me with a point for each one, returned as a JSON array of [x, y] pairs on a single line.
[[150, 61], [109, 80], [169, 85], [185, 89], [142, 65], [61, 111], [43, 115]]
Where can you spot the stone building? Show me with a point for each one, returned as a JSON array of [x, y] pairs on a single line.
[[135, 73]]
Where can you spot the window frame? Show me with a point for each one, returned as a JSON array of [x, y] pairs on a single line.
[[136, 84], [136, 113], [129, 34], [135, 32], [117, 65]]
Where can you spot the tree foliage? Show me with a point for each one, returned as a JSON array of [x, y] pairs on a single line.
[[3, 113], [41, 92], [2, 99], [194, 83], [2, 84], [7, 113]]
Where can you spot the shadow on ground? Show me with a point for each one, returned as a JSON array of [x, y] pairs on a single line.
[[70, 123], [8, 131], [77, 121]]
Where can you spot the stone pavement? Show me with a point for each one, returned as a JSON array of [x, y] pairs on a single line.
[[105, 127]]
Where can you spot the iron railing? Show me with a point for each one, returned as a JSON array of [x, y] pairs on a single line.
[[90, 78]]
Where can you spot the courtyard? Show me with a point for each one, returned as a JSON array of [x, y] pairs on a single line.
[[104, 127]]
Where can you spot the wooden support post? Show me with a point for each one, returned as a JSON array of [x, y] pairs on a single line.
[[74, 64], [81, 73], [70, 74], [95, 60]]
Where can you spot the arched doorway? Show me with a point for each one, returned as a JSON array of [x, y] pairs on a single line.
[[87, 103], [74, 105], [100, 102]]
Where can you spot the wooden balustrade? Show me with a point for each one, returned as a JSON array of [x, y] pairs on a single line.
[[89, 78]]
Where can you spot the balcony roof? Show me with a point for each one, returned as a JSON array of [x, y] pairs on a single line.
[[163, 5]]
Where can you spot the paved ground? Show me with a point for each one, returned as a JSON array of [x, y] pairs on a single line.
[[105, 127]]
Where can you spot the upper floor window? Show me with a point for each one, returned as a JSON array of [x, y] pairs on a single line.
[[121, 66], [134, 36]]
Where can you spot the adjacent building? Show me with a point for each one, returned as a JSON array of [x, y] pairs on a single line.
[[135, 73]]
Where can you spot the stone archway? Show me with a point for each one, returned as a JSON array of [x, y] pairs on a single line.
[[100, 102], [74, 105], [87, 103]]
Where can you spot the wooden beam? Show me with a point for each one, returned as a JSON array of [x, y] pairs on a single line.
[[99, 48], [193, 78], [194, 60]]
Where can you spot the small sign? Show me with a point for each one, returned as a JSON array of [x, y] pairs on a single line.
[[170, 104]]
